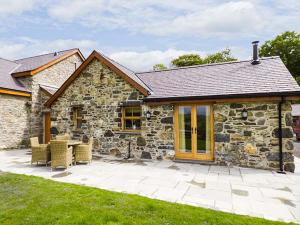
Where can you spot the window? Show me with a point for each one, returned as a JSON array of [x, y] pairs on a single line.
[[77, 117], [132, 118]]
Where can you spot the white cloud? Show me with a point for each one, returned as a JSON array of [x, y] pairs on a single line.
[[224, 19], [187, 18], [25, 47], [14, 7], [143, 61], [69, 10], [10, 50]]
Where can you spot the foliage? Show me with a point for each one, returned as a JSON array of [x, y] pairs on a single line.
[[218, 57], [159, 66], [287, 46], [187, 60], [194, 59], [37, 201]]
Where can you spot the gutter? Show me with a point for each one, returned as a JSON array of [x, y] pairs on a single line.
[[228, 96], [281, 166]]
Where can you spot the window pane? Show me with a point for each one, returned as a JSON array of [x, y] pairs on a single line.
[[78, 112], [79, 123], [132, 124], [137, 124], [132, 111], [184, 122], [128, 124], [203, 129], [136, 111], [128, 112]]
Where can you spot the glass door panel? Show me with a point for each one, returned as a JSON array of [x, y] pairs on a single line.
[[185, 128], [203, 130]]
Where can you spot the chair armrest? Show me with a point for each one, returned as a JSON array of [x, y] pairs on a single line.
[[44, 145]]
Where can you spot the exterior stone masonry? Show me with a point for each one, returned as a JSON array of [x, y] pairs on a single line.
[[14, 123], [252, 142], [54, 75], [22, 117], [99, 92]]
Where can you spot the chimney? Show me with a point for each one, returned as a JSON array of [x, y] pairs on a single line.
[[255, 59]]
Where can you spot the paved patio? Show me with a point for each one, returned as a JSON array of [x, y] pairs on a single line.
[[244, 191]]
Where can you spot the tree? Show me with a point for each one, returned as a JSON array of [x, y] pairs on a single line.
[[287, 46], [194, 59], [187, 60], [219, 57], [159, 66]]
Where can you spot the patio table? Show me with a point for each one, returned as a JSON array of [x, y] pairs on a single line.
[[74, 142]]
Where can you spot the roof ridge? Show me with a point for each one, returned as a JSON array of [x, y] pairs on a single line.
[[48, 85], [115, 61], [208, 64], [45, 54], [127, 69], [12, 61]]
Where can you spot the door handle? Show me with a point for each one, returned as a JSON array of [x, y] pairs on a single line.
[[194, 130]]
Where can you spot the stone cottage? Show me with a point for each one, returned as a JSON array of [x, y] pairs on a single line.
[[236, 113], [25, 85]]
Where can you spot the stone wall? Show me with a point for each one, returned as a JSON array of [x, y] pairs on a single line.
[[99, 92], [55, 75], [252, 142], [14, 125]]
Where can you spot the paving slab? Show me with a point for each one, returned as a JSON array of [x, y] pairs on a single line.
[[245, 191]]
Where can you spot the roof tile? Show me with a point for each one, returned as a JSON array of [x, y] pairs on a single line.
[[233, 78]]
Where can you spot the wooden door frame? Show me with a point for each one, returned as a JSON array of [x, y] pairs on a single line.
[[47, 127], [193, 155]]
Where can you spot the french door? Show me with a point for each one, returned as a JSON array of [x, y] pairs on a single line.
[[194, 132]]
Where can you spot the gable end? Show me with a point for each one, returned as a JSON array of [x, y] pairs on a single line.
[[95, 55]]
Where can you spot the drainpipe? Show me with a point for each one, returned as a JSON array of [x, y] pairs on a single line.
[[281, 169]]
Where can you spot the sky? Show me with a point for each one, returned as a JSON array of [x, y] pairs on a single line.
[[141, 33]]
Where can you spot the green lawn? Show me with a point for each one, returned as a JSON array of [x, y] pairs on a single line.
[[33, 200]]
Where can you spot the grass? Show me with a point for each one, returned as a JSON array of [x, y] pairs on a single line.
[[33, 200]]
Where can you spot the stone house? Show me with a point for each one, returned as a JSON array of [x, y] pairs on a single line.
[[25, 85], [236, 113]]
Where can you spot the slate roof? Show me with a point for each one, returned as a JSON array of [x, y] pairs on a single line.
[[127, 71], [49, 88], [6, 80], [296, 110], [34, 62], [239, 78], [8, 67]]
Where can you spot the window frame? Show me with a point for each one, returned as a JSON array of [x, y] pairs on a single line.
[[77, 118], [132, 118]]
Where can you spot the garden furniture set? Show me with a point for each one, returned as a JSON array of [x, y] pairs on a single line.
[[61, 152]]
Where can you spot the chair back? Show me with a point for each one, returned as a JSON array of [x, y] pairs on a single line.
[[34, 141], [63, 137], [58, 146]]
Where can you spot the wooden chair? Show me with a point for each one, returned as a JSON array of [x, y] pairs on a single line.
[[83, 152], [61, 155], [40, 152]]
